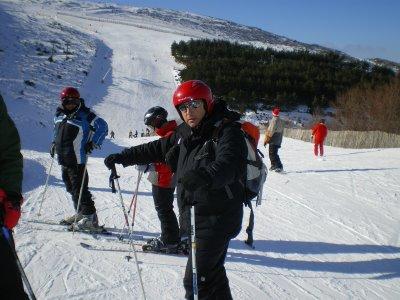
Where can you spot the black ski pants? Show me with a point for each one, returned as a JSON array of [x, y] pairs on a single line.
[[11, 286], [274, 157], [212, 282], [72, 177], [163, 202]]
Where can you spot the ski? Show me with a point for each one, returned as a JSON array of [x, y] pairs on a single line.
[[107, 249], [98, 230], [138, 248], [103, 231], [54, 223]]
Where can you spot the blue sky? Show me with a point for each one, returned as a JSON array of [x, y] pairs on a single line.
[[362, 28]]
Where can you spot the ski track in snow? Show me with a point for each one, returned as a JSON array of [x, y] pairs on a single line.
[[326, 229]]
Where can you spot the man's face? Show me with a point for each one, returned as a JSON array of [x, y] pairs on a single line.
[[192, 112], [70, 104]]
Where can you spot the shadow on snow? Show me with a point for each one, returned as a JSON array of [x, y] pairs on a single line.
[[384, 268]]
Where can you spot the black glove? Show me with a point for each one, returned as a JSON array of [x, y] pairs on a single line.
[[15, 199], [113, 159], [52, 149], [172, 156], [195, 179], [90, 146]]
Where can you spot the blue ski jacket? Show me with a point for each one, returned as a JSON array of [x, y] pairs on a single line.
[[73, 130]]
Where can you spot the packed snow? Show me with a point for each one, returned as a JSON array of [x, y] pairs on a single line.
[[327, 229]]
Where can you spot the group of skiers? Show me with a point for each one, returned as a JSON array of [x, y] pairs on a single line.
[[208, 177], [274, 134], [142, 134]]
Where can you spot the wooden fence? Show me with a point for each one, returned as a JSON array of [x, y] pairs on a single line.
[[350, 139]]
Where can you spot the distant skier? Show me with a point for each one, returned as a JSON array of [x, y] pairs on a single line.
[[77, 131], [112, 135], [130, 135], [142, 133], [318, 134], [136, 134], [273, 137], [147, 132], [163, 186], [11, 163]]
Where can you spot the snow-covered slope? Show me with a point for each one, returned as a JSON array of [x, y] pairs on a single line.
[[327, 229]]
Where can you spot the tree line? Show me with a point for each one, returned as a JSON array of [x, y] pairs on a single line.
[[247, 77]]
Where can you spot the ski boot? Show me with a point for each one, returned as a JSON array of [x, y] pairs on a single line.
[[88, 223], [70, 220], [157, 245], [278, 170], [184, 246]]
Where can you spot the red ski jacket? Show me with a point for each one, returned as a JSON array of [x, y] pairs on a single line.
[[319, 132], [163, 176]]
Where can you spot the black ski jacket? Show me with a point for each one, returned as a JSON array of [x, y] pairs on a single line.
[[219, 208]]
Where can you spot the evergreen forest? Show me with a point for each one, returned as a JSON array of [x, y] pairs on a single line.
[[248, 77]]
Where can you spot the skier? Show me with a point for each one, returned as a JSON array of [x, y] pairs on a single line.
[[208, 177], [77, 131], [130, 134], [163, 186], [142, 133], [273, 137], [318, 134], [147, 132], [112, 135], [135, 135], [11, 163]]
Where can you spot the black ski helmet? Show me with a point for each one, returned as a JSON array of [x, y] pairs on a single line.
[[155, 117]]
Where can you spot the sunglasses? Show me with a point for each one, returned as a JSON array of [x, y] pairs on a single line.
[[68, 101], [191, 104]]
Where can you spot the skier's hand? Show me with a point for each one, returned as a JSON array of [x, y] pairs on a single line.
[[113, 159], [267, 139], [172, 156], [90, 146], [10, 205], [52, 149], [195, 179]]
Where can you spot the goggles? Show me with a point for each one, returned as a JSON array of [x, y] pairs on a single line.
[[191, 104], [68, 101]]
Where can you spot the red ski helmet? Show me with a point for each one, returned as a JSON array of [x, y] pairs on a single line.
[[276, 111], [69, 92], [193, 90]]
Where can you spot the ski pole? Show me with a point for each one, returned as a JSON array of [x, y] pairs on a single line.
[[193, 239], [136, 197], [80, 192], [115, 176], [45, 187], [7, 235]]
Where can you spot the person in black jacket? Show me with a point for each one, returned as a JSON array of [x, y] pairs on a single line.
[[11, 174], [208, 152]]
